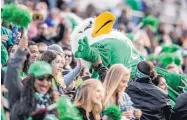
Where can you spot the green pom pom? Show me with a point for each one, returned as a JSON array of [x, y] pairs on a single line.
[[16, 14], [170, 48], [66, 110], [151, 21], [168, 55], [177, 61], [22, 17], [168, 58], [165, 60], [112, 112], [7, 12]]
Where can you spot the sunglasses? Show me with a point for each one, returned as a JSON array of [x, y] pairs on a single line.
[[42, 78]]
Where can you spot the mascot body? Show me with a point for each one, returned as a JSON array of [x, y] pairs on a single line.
[[113, 47]]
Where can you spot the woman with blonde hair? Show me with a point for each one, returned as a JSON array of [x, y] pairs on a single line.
[[115, 83], [89, 99]]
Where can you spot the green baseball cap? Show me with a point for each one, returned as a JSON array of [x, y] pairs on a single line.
[[40, 68]]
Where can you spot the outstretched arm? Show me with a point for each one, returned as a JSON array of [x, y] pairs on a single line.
[[68, 78], [86, 52], [12, 79], [96, 54]]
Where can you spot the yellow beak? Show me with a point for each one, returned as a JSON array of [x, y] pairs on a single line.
[[103, 23]]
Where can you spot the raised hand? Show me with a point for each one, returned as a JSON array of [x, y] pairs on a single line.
[[79, 64], [23, 43], [83, 49], [86, 52]]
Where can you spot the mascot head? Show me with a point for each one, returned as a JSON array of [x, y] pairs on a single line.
[[93, 27]]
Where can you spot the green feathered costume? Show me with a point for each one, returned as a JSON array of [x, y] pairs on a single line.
[[114, 47]]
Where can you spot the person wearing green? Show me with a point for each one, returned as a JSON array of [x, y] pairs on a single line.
[[35, 92], [3, 117], [5, 31], [95, 41], [4, 55], [134, 4]]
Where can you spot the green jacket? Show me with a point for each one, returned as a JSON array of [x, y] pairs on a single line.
[[9, 33], [4, 54]]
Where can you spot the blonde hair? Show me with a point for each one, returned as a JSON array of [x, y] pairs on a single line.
[[60, 80], [84, 97], [113, 78]]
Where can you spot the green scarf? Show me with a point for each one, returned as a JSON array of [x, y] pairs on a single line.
[[140, 74]]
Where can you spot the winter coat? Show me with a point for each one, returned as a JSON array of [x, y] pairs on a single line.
[[151, 100]]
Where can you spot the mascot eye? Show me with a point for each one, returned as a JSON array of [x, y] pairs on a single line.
[[89, 26]]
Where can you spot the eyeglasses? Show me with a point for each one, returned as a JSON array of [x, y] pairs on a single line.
[[42, 78]]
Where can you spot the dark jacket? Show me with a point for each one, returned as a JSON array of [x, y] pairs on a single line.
[[180, 109], [13, 82], [83, 113], [150, 99]]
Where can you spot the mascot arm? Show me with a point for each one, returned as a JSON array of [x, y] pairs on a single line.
[[92, 53], [97, 54], [100, 66], [86, 52], [173, 80], [103, 53]]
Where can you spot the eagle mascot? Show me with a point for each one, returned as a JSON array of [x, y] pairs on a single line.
[[94, 40]]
